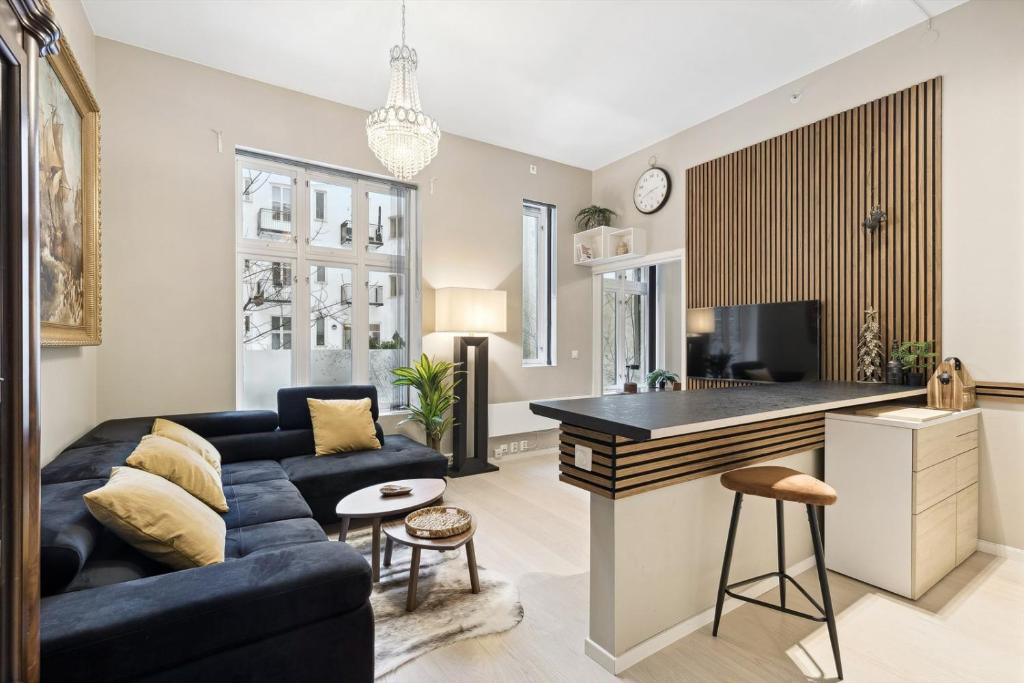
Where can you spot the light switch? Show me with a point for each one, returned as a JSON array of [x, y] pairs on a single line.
[[574, 354], [584, 457]]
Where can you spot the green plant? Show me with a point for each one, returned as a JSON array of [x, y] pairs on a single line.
[[593, 216], [914, 355], [435, 383], [655, 377]]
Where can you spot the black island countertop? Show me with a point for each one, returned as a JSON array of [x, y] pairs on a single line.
[[657, 414]]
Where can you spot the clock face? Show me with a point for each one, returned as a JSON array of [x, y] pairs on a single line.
[[651, 191]]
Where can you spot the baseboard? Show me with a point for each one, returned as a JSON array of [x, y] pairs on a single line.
[[645, 649], [999, 550]]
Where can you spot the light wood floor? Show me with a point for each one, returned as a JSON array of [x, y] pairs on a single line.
[[970, 627]]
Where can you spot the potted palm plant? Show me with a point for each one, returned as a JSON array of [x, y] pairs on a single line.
[[593, 216], [434, 382]]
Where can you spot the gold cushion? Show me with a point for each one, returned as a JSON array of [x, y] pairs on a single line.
[[158, 518], [184, 435], [342, 425], [780, 483], [179, 464]]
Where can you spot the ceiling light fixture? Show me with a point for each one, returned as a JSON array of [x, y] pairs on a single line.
[[399, 133]]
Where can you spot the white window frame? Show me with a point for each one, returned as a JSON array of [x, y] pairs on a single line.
[[548, 280], [301, 255]]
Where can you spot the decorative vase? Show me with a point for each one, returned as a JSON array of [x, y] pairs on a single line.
[[677, 386], [893, 373], [662, 384], [629, 388]]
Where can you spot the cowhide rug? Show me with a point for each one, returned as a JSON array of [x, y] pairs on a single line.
[[447, 611]]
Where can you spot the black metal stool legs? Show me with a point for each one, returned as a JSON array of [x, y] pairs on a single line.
[[723, 584], [826, 596], [780, 532]]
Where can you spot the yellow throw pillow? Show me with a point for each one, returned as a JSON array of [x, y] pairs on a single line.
[[179, 464], [158, 518], [341, 425], [184, 435]]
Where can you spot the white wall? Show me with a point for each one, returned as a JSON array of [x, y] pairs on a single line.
[[980, 55], [169, 310], [68, 375]]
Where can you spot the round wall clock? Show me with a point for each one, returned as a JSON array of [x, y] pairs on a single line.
[[652, 190]]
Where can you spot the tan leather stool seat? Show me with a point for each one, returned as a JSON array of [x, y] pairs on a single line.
[[780, 483]]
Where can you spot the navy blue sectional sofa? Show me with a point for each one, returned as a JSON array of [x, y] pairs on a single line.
[[285, 605]]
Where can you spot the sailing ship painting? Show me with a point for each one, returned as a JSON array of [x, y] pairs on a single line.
[[62, 236]]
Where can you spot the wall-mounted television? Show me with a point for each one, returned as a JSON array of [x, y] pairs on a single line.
[[759, 342]]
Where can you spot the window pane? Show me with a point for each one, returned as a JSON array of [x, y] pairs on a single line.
[[609, 348], [330, 310], [330, 215], [386, 231], [267, 205], [387, 335], [266, 330], [537, 292]]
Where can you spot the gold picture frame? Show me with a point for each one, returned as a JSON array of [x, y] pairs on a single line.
[[69, 204]]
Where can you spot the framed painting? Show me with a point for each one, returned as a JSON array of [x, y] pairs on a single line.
[[69, 204]]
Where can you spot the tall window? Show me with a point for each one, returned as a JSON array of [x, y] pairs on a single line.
[[315, 244], [538, 284]]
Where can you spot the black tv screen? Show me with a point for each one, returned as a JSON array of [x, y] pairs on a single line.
[[760, 342]]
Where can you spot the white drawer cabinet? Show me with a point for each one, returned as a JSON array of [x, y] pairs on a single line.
[[907, 512]]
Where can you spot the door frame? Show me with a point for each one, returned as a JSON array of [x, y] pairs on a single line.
[[596, 383]]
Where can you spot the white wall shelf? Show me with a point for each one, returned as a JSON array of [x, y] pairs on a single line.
[[605, 244]]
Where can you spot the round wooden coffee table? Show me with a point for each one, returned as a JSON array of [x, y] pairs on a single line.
[[368, 503], [396, 533]]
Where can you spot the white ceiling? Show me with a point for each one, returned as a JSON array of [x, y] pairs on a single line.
[[583, 83]]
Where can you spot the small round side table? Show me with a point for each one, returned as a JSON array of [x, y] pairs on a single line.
[[396, 533]]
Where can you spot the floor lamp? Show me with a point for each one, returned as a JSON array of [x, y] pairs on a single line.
[[475, 311]]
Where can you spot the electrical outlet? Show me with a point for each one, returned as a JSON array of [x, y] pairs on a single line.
[[524, 445], [533, 169], [501, 451], [514, 447]]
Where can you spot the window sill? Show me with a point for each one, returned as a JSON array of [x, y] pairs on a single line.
[[540, 365]]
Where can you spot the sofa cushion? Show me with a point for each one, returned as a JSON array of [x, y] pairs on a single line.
[[179, 464], [67, 533], [342, 425], [114, 561], [251, 471], [263, 445], [186, 437], [293, 412], [247, 540], [263, 501], [207, 425], [87, 462], [159, 518], [324, 480]]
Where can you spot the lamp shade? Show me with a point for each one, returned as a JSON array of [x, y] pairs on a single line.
[[460, 309], [700, 321]]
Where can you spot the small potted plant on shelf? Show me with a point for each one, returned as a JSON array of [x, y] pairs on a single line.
[[593, 216], [434, 382], [661, 378], [915, 359]]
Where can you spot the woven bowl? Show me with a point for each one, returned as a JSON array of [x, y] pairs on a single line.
[[438, 522]]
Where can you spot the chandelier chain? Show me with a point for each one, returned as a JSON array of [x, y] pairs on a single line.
[[403, 23]]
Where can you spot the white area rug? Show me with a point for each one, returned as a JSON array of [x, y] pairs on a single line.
[[447, 610]]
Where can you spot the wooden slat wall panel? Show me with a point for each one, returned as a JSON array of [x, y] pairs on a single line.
[[781, 221], [1005, 390]]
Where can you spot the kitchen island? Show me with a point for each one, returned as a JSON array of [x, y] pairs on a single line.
[[658, 516]]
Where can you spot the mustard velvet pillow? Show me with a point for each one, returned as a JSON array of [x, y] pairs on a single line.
[[342, 425], [158, 518], [184, 435], [179, 464]]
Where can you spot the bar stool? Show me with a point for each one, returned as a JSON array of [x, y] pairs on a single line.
[[780, 484]]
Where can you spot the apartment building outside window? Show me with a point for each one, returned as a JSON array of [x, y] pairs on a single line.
[[313, 244], [539, 280]]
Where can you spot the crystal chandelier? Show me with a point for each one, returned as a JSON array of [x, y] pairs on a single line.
[[399, 133]]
